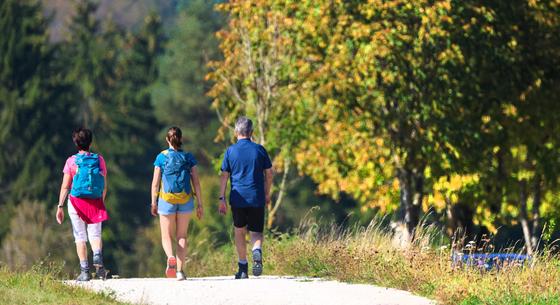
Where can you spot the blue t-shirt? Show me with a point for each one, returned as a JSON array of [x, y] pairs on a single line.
[[160, 162], [246, 162]]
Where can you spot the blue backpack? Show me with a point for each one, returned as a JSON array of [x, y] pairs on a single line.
[[88, 181], [176, 178]]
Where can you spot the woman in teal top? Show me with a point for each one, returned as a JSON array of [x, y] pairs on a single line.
[[175, 207]]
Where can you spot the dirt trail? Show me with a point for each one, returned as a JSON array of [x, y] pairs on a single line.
[[265, 290]]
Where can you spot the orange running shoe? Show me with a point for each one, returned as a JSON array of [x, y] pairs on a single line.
[[171, 270]]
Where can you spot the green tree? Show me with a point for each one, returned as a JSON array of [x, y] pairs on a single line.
[[179, 95], [129, 138], [389, 75], [34, 237], [522, 123], [255, 79], [111, 72], [31, 102]]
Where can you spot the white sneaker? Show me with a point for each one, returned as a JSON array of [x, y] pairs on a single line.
[[181, 276]]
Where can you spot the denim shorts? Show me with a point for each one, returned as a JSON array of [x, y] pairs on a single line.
[[166, 208]]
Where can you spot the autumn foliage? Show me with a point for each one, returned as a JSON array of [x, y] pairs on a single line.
[[407, 106]]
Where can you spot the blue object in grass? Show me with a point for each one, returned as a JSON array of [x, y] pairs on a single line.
[[488, 261]]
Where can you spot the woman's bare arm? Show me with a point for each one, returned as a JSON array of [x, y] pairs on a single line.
[[155, 184], [64, 189], [196, 185]]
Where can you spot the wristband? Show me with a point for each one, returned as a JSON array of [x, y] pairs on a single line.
[[61, 206], [221, 198]]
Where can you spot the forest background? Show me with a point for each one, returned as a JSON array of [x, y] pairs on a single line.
[[442, 112]]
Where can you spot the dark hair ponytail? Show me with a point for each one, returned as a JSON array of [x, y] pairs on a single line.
[[174, 136]]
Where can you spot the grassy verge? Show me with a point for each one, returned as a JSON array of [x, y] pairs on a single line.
[[367, 256], [35, 287]]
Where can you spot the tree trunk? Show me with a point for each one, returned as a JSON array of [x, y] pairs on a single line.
[[413, 214], [261, 126], [535, 232], [451, 215], [272, 209], [459, 219], [523, 218], [411, 195]]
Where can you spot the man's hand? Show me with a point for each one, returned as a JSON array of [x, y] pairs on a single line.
[[223, 207], [199, 211], [268, 200], [59, 215], [154, 210]]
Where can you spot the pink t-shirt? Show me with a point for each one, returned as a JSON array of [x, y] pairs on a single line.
[[70, 167]]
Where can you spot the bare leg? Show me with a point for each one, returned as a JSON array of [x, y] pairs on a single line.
[[95, 244], [81, 249], [94, 236], [240, 243], [182, 228], [256, 239], [167, 225]]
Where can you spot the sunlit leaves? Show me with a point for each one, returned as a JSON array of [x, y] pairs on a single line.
[[447, 100]]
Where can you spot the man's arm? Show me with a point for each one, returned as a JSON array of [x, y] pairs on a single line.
[[223, 184], [267, 184]]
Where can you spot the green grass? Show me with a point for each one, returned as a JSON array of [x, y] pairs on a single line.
[[360, 255], [367, 256], [37, 287]]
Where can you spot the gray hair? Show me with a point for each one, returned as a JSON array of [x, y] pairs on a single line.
[[244, 127]]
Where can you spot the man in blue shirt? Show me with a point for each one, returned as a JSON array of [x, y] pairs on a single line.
[[248, 166]]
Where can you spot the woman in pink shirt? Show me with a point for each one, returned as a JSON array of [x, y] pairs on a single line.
[[86, 207]]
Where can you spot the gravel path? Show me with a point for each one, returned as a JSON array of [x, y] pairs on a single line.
[[265, 290]]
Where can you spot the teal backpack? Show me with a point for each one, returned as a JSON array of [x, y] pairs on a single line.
[[88, 181], [176, 180]]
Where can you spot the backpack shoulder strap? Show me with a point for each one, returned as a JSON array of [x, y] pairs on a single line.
[[77, 158]]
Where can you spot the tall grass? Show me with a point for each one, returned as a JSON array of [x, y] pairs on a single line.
[[41, 285], [369, 255]]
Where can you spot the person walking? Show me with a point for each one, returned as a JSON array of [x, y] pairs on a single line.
[[175, 174], [248, 167], [85, 178]]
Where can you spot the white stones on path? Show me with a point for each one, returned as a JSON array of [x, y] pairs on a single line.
[[264, 290]]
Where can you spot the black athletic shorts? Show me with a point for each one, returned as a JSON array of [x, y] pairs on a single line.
[[253, 218]]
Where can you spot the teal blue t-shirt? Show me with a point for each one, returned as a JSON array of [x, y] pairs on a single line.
[[246, 162]]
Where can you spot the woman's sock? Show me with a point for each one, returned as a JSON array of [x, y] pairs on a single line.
[[84, 265]]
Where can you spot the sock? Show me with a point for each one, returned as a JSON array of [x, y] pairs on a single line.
[[97, 252], [255, 247], [243, 261], [84, 265]]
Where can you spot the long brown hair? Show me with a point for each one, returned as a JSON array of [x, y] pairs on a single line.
[[174, 136]]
